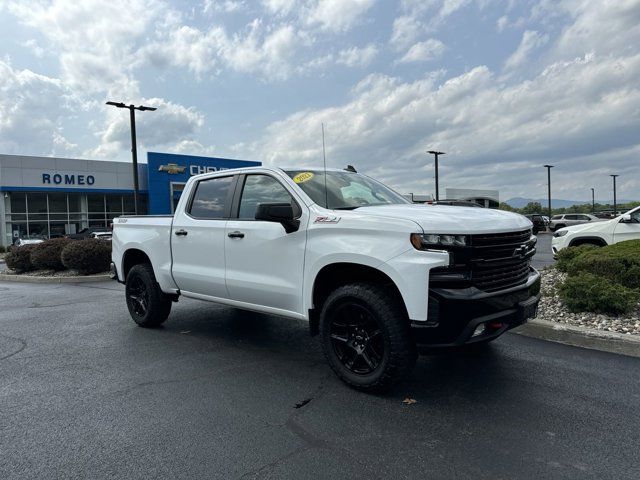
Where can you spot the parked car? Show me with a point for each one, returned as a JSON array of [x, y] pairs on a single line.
[[87, 233], [619, 229], [538, 222], [28, 241], [378, 278], [569, 219], [102, 235]]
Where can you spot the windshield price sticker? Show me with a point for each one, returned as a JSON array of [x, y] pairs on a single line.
[[303, 177]]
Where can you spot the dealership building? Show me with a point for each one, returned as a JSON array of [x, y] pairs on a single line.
[[46, 196]]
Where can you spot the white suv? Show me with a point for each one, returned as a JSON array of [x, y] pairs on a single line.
[[570, 219], [619, 229]]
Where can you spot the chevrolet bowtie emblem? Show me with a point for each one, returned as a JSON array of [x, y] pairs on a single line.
[[171, 168]]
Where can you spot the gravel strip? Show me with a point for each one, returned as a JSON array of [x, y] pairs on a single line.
[[551, 308]]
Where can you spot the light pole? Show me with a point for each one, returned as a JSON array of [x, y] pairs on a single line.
[[435, 153], [615, 200], [549, 167], [593, 200], [134, 147]]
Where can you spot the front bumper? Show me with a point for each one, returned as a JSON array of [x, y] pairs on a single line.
[[468, 315]]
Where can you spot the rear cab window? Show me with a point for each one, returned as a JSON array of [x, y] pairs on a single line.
[[211, 199]]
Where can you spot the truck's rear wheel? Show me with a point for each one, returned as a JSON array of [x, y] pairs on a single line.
[[148, 306], [365, 336]]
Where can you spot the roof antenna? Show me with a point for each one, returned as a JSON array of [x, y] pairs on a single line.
[[324, 159], [350, 168]]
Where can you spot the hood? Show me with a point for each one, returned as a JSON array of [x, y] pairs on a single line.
[[450, 219], [589, 227]]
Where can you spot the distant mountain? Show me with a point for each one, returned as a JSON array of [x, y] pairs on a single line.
[[519, 202]]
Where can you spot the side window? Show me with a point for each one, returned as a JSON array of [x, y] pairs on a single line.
[[585, 217], [571, 217], [261, 189], [210, 198]]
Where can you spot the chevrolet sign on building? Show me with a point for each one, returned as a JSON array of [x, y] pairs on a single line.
[[168, 173], [46, 196]]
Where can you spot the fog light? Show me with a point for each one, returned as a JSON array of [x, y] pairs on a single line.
[[496, 325], [479, 330]]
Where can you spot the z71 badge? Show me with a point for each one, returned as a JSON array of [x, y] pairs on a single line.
[[327, 220]]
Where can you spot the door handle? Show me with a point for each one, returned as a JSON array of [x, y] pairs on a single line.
[[235, 234], [181, 233]]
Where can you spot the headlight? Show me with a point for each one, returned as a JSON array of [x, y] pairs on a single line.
[[437, 240], [561, 233]]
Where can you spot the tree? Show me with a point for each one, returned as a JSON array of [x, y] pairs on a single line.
[[506, 206], [532, 207]]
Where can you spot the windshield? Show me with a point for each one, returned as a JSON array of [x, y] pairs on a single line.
[[344, 190]]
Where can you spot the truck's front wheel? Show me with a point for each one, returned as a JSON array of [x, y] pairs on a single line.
[[148, 306], [365, 336]]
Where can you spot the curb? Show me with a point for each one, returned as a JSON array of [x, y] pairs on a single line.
[[604, 341], [29, 279]]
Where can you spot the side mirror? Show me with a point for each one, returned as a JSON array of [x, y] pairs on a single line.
[[626, 219], [280, 213]]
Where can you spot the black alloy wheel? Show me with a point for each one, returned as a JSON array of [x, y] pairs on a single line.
[[356, 337], [147, 303], [365, 336], [138, 296]]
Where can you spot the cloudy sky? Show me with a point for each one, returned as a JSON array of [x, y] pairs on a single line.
[[502, 86]]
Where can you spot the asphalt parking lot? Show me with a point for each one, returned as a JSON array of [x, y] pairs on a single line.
[[543, 256], [220, 393]]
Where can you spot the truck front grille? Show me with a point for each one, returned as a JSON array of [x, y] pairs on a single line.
[[490, 262]]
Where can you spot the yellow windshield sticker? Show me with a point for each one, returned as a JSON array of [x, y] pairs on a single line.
[[303, 177]]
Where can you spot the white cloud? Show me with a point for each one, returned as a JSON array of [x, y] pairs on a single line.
[[604, 27], [338, 15], [31, 107], [34, 47], [95, 57], [531, 41], [451, 6], [258, 50], [493, 133], [280, 7], [406, 29], [227, 6], [504, 22], [168, 126], [423, 51], [357, 57]]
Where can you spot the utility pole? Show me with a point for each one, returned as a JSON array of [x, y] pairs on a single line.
[[436, 154], [134, 147], [549, 167], [593, 200], [615, 200]]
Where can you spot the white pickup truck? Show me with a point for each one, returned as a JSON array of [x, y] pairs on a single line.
[[600, 234], [380, 279]]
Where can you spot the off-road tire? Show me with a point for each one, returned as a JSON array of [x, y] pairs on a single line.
[[399, 353], [150, 307]]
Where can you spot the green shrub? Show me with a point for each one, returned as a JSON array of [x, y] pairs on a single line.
[[567, 255], [619, 263], [87, 256], [19, 258], [587, 292], [2, 249], [48, 254]]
